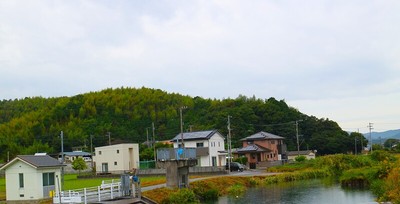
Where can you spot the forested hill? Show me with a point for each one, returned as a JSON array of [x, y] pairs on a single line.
[[32, 125]]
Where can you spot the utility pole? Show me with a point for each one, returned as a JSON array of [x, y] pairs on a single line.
[[91, 148], [147, 133], [297, 136], [62, 160], [370, 134], [154, 142], [109, 138], [229, 144], [355, 145], [180, 109]]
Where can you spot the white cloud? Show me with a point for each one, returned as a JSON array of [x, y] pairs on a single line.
[[315, 51]]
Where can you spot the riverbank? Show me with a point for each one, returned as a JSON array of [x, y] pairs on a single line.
[[379, 172]]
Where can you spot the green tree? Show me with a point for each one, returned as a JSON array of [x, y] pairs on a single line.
[[79, 164]]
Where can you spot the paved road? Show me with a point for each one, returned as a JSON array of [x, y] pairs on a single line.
[[253, 172]]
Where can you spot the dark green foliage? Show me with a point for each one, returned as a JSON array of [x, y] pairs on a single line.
[[184, 195], [35, 123], [242, 160], [79, 164], [205, 191], [300, 158]]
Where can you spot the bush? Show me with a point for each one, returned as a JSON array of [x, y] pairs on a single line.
[[205, 191], [242, 160], [236, 190], [300, 158], [184, 195]]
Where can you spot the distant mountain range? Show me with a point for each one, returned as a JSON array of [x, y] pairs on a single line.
[[382, 136]]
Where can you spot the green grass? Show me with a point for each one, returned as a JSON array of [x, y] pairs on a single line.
[[2, 188], [72, 182]]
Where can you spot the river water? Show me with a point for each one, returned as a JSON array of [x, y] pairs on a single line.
[[308, 191]]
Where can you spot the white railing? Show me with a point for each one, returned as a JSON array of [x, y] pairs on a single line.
[[108, 190]]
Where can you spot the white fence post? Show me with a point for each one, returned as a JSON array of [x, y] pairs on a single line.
[[84, 194], [112, 189], [99, 193]]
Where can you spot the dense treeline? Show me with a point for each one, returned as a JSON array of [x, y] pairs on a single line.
[[32, 125]]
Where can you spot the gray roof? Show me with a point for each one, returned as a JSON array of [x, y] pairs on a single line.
[[301, 152], [252, 148], [263, 136], [77, 153], [199, 135], [40, 161]]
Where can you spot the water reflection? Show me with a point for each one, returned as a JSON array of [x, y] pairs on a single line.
[[310, 191]]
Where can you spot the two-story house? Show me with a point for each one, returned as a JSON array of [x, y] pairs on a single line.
[[262, 147], [210, 146], [117, 158]]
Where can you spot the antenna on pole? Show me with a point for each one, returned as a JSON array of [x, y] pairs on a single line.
[[154, 142]]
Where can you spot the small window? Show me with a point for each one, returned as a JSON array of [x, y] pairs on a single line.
[[117, 151], [219, 144], [200, 144], [99, 152], [21, 180], [48, 179], [115, 163]]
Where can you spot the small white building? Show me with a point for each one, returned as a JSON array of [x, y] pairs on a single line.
[[210, 146], [31, 178], [116, 159], [309, 154]]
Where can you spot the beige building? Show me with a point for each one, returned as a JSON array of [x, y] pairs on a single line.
[[309, 154], [116, 159], [31, 178]]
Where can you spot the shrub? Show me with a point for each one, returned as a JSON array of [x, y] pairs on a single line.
[[242, 160], [184, 195], [300, 158], [236, 190], [206, 191]]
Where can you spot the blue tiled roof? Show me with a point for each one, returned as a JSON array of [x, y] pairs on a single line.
[[252, 148], [199, 135]]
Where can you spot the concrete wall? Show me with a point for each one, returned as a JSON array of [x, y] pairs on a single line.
[[196, 170]]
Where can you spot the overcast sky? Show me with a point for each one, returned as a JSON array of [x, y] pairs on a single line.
[[331, 59]]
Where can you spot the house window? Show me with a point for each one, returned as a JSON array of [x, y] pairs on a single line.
[[99, 152], [272, 141], [117, 151], [48, 179], [200, 144], [21, 180], [219, 144], [180, 145], [115, 163]]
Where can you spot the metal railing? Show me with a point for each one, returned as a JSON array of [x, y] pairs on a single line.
[[176, 154], [108, 190]]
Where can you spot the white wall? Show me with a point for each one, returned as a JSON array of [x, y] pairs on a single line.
[[118, 154], [215, 143], [33, 181]]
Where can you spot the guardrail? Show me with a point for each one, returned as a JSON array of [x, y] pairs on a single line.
[[176, 154]]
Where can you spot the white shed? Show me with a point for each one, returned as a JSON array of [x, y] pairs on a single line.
[[30, 177]]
